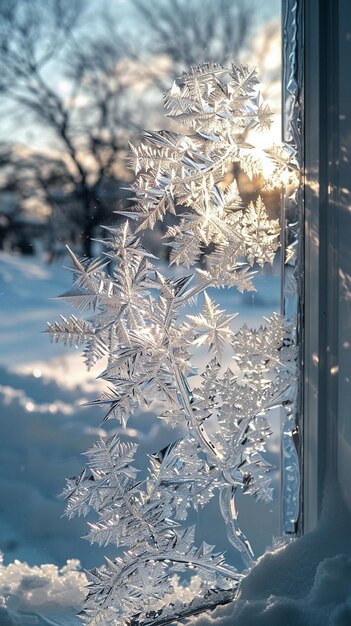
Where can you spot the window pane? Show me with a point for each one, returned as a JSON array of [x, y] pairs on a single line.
[[83, 95]]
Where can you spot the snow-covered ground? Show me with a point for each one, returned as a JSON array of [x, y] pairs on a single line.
[[305, 583], [45, 428], [41, 594]]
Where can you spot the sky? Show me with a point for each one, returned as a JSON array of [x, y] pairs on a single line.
[[17, 126]]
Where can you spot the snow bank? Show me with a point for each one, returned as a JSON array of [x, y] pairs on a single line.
[[306, 582], [44, 428], [40, 595]]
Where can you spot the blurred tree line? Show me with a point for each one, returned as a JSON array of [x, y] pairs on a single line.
[[86, 82]]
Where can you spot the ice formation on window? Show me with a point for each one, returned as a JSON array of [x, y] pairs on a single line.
[[140, 321]]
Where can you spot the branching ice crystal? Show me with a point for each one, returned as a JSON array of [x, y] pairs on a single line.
[[139, 321]]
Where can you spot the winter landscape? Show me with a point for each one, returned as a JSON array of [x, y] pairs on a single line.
[[197, 376], [42, 390]]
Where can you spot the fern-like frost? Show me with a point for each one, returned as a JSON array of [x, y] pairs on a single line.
[[137, 325]]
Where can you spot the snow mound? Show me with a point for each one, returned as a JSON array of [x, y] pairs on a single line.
[[306, 582], [40, 595], [328, 602]]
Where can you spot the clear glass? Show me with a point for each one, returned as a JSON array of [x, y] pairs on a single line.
[[45, 428]]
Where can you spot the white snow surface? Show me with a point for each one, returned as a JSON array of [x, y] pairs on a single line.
[[44, 430], [41, 594], [44, 427], [306, 582]]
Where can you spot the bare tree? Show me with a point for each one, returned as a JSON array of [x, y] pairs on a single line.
[[196, 31], [84, 122], [78, 84]]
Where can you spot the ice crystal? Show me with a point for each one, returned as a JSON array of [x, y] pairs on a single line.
[[140, 325], [214, 327]]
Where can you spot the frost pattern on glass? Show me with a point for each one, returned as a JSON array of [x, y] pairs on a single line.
[[141, 322]]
